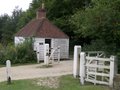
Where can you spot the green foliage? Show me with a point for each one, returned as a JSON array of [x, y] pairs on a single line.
[[22, 53], [8, 26], [118, 62], [99, 45], [25, 52], [96, 45], [99, 21]]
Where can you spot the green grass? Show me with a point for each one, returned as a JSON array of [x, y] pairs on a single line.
[[66, 83]]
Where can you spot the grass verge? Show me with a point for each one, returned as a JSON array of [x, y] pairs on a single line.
[[65, 83]]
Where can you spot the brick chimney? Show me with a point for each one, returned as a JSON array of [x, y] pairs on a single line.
[[41, 12]]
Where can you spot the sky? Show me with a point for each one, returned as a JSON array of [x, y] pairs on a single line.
[[7, 6]]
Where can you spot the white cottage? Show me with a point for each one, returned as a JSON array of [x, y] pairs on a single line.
[[43, 31]]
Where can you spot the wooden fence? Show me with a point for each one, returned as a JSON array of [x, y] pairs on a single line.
[[94, 67]]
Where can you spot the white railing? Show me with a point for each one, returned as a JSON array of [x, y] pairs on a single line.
[[91, 68], [94, 67], [95, 53], [51, 56]]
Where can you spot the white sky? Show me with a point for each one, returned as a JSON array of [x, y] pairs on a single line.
[[7, 6]]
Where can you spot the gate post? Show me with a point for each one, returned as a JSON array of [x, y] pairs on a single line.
[[38, 53], [58, 54], [76, 61], [82, 67], [112, 72], [8, 66], [46, 54]]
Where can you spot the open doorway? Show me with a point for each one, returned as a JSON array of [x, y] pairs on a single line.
[[48, 41]]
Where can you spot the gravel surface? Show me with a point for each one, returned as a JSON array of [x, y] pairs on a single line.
[[51, 82], [35, 71]]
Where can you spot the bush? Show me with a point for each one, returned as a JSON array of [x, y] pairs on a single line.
[[109, 49], [25, 52], [100, 45], [2, 54], [118, 57], [22, 53]]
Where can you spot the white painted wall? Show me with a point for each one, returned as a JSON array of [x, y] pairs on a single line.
[[64, 47], [63, 43], [39, 46], [38, 41], [18, 40]]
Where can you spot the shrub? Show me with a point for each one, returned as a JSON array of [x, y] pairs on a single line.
[[109, 49], [2, 55], [118, 57], [100, 45], [25, 52], [22, 53]]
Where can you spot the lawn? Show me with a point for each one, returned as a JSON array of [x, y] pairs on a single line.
[[65, 83]]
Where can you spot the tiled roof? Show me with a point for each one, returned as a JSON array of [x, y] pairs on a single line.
[[42, 28]]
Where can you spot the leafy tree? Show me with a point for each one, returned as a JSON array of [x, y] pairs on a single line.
[[3, 20], [8, 26], [100, 21]]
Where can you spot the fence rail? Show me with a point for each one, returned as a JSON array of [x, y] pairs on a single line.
[[97, 66], [94, 67], [98, 59]]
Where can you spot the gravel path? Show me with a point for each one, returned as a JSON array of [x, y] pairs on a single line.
[[34, 71]]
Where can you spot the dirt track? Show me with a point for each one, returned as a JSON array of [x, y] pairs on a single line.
[[34, 71]]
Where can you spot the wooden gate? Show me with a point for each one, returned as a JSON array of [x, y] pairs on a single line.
[[96, 69]]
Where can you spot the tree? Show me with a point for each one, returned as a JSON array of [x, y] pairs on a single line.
[[100, 21], [3, 20], [8, 26]]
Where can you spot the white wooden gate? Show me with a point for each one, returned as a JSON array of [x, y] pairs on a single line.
[[94, 67], [95, 72], [49, 57]]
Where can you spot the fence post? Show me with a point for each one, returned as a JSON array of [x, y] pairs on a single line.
[[46, 54], [112, 72], [8, 67], [58, 54], [38, 53], [76, 64], [82, 67], [52, 56]]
